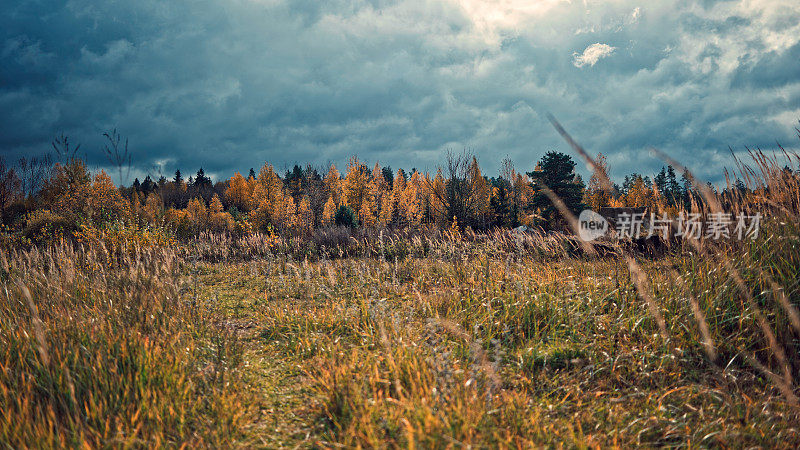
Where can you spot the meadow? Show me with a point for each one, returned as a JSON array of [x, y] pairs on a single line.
[[458, 342], [420, 337]]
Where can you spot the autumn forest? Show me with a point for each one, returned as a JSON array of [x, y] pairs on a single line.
[[61, 196]]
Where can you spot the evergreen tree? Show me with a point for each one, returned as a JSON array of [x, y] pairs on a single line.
[[201, 181], [686, 190], [294, 181], [202, 186], [673, 188], [147, 185], [661, 182], [556, 171], [501, 202], [388, 175], [345, 217]]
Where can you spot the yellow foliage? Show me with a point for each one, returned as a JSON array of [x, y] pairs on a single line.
[[153, 207], [329, 212], [597, 195], [333, 185], [356, 185], [454, 232], [267, 187], [289, 219], [305, 216], [218, 219], [197, 214], [137, 209], [378, 183], [397, 197], [124, 237], [261, 217], [67, 192], [409, 204], [523, 192], [240, 191], [480, 190], [435, 195], [106, 202], [640, 195], [216, 205], [386, 211], [366, 215]]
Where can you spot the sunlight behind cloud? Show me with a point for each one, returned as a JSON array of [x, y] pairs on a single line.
[[492, 17]]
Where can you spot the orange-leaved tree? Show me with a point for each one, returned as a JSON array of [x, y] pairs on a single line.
[[239, 192], [356, 188], [329, 212], [153, 208], [481, 194], [268, 199], [598, 194], [305, 217], [409, 204], [333, 185], [197, 214], [218, 219], [67, 191], [106, 202]]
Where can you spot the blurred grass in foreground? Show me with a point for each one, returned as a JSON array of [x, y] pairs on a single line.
[[99, 349]]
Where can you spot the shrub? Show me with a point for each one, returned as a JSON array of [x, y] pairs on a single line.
[[332, 238], [44, 225], [15, 212], [179, 219], [123, 238], [68, 191]]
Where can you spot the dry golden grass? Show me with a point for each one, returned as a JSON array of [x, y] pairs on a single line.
[[102, 349], [490, 351]]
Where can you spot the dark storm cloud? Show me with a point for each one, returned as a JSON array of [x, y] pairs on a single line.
[[770, 70], [228, 85]]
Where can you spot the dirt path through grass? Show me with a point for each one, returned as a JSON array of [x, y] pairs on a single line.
[[277, 380]]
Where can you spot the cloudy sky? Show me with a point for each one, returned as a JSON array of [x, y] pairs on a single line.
[[229, 84]]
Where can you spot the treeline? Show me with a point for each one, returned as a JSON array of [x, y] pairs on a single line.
[[40, 196]]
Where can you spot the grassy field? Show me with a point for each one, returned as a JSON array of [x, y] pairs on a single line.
[[471, 344]]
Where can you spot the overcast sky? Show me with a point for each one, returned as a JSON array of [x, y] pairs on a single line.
[[229, 84]]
